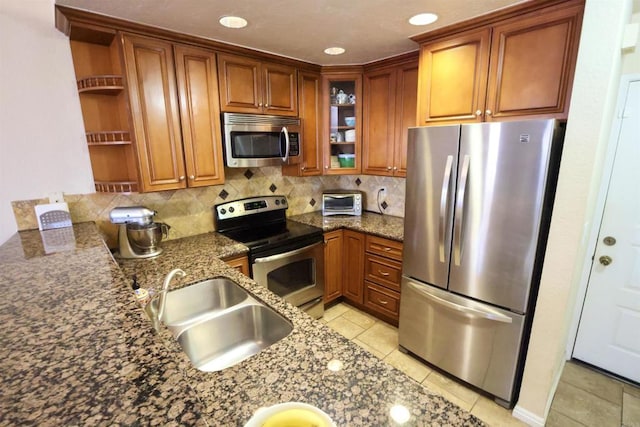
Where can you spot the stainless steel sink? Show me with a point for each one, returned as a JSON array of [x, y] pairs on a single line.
[[232, 336], [187, 305]]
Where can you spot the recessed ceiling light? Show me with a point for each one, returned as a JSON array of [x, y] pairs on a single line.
[[423, 19], [233, 22], [334, 51]]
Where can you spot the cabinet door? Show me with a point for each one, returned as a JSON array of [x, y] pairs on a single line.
[[453, 78], [532, 64], [333, 262], [341, 139], [154, 109], [406, 105], [379, 122], [353, 271], [279, 89], [310, 109], [240, 263], [240, 84], [200, 114]]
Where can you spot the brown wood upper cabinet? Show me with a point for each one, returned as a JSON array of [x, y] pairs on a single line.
[[389, 109], [310, 109], [521, 66], [174, 113], [249, 85]]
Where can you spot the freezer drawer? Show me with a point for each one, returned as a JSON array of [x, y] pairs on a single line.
[[475, 342]]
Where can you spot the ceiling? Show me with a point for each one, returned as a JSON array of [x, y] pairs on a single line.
[[301, 29]]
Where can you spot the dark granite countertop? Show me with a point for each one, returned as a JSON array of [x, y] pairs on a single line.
[[77, 350], [391, 227]]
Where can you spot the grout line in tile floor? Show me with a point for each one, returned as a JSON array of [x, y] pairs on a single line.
[[608, 401]]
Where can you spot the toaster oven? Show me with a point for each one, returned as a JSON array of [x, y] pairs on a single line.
[[342, 202]]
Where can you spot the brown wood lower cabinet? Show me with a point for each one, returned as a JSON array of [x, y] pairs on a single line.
[[383, 272], [332, 265], [240, 263], [353, 266], [365, 270]]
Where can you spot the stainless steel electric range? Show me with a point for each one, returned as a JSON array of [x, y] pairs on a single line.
[[285, 256]]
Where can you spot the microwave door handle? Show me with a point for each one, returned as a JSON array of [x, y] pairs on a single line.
[[284, 133]]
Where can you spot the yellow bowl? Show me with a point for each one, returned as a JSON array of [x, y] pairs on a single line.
[[290, 414]]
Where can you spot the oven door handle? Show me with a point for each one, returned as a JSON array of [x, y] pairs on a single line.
[[286, 254]]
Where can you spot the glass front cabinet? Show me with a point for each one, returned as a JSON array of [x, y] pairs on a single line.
[[342, 136]]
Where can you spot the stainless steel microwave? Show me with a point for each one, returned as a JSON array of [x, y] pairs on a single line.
[[258, 140], [342, 202]]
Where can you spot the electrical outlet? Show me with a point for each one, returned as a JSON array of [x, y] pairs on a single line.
[[56, 197]]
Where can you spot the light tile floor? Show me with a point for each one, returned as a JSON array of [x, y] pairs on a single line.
[[584, 397]]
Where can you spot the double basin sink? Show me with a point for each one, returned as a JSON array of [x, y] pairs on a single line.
[[218, 323]]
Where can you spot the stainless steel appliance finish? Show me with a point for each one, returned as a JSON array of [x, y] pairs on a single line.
[[138, 235], [294, 275], [285, 256], [342, 202], [478, 201], [252, 140]]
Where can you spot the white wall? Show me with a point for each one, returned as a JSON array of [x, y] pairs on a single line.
[[42, 145], [592, 106]]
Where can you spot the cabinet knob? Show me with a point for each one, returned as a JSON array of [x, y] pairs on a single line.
[[395, 168], [192, 177], [488, 112], [302, 168], [388, 168], [181, 178], [478, 113], [326, 167], [266, 105], [259, 104]]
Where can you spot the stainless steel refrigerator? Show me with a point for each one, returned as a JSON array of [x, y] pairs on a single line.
[[478, 204]]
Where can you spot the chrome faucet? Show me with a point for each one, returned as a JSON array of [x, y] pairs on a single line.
[[165, 288]]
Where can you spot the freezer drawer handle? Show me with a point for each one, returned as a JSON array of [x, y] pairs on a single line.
[[444, 198], [457, 248], [485, 314]]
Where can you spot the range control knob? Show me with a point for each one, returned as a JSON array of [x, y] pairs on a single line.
[[277, 202], [223, 211], [284, 202], [231, 209]]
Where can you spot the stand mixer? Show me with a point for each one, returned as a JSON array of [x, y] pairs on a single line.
[[138, 235]]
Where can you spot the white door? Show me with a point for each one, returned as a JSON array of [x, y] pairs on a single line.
[[609, 329]]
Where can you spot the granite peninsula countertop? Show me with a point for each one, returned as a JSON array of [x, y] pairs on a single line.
[[77, 350]]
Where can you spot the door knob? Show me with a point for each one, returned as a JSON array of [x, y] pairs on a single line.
[[605, 260]]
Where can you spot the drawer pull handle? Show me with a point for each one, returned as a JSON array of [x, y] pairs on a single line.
[[386, 249], [383, 273], [383, 302]]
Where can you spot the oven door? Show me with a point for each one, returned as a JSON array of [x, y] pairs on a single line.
[[296, 275]]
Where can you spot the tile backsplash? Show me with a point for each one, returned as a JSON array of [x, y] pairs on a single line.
[[189, 211]]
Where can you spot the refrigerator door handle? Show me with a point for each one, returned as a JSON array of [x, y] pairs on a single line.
[[444, 199], [459, 214], [477, 312]]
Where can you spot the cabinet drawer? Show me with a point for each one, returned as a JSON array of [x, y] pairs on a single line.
[[382, 300], [383, 271], [384, 247]]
